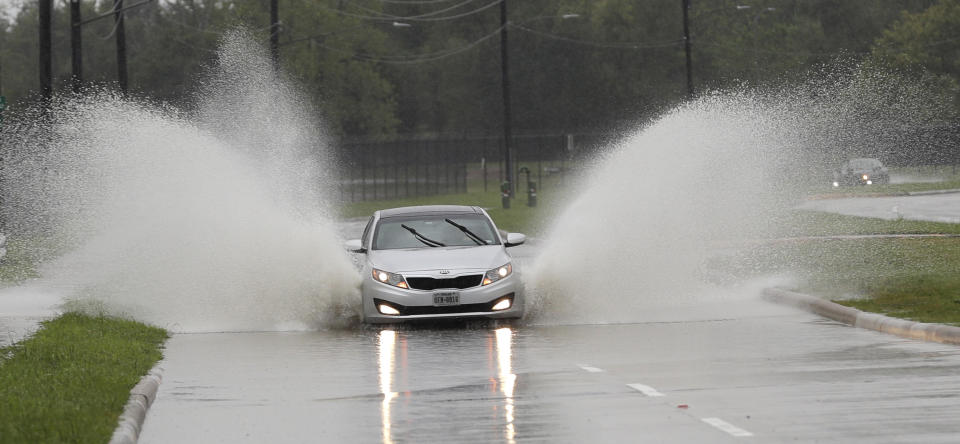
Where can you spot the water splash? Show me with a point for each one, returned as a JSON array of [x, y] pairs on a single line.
[[632, 246], [203, 221]]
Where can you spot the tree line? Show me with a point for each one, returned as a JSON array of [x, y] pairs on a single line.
[[380, 68]]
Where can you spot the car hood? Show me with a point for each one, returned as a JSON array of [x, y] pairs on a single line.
[[445, 258]]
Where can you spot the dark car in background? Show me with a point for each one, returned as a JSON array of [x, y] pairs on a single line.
[[861, 171]]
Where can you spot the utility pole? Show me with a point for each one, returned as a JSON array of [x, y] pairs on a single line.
[[275, 35], [76, 57], [686, 45], [46, 56], [505, 86], [121, 45]]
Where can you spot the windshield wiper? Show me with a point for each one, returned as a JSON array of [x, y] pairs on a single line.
[[471, 235], [425, 240]]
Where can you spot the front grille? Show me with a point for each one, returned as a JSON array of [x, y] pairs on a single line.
[[413, 310], [461, 282], [449, 309]]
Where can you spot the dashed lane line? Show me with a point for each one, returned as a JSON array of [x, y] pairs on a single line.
[[727, 427], [590, 369], [646, 390]]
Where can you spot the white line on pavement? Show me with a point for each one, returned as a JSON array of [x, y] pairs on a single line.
[[726, 427], [590, 369], [645, 389]]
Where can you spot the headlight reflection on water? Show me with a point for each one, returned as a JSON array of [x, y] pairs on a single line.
[[506, 378], [504, 381], [386, 348]]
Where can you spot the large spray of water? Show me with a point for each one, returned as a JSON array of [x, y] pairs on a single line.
[[715, 171], [211, 220]]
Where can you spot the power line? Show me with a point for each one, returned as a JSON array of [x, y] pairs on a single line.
[[624, 45], [413, 18], [416, 59], [186, 25], [179, 40]]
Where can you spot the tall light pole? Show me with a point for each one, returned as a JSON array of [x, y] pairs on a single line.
[[505, 87]]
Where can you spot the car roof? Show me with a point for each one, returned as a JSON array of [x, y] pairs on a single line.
[[428, 210]]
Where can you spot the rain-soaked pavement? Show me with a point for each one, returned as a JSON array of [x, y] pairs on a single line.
[[741, 369], [935, 208], [777, 374]]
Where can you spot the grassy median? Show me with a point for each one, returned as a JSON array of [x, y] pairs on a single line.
[[70, 380], [910, 278]]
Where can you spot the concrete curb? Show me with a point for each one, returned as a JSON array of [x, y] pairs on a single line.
[[135, 412], [925, 193], [945, 334]]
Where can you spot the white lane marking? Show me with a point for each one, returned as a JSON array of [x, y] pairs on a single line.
[[590, 369], [726, 427], [645, 389]]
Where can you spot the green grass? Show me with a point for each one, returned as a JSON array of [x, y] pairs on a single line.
[[925, 297], [816, 223], [914, 279], [70, 381]]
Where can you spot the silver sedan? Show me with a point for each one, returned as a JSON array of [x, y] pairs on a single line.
[[438, 261]]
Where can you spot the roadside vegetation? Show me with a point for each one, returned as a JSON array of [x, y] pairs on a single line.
[[70, 381], [910, 278], [816, 223]]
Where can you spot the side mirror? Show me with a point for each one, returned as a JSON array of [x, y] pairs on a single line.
[[514, 239], [354, 246]]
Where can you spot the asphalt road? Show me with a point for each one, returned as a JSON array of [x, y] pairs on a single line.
[[722, 371], [772, 374], [936, 207]]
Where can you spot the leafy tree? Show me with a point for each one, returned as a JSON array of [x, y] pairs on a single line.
[[927, 41]]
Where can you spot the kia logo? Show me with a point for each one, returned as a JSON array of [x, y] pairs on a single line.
[[444, 271]]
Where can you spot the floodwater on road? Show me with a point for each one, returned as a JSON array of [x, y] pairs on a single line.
[[772, 372]]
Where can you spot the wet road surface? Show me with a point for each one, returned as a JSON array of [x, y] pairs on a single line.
[[734, 369], [773, 374], [935, 208]]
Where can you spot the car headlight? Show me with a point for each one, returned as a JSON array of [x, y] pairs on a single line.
[[392, 279], [497, 273]]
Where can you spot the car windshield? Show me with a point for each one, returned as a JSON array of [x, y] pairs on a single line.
[[864, 163], [391, 232]]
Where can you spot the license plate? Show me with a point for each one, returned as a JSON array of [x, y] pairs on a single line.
[[446, 298]]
